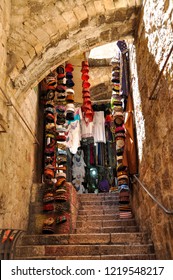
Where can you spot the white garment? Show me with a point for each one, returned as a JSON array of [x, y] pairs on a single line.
[[99, 127], [74, 133], [86, 128]]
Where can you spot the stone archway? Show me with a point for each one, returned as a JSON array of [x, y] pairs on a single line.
[[44, 35]]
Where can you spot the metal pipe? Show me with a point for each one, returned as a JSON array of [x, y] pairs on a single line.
[[153, 198]]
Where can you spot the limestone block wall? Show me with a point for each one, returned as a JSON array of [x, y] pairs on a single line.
[[154, 122], [17, 165], [5, 8]]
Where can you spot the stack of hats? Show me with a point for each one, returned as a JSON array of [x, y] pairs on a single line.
[[55, 154], [61, 85], [87, 110], [69, 92], [49, 160], [117, 106]]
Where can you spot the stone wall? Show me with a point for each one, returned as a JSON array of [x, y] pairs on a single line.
[[17, 151], [5, 8], [154, 122]]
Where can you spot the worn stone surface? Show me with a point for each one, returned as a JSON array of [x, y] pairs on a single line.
[[154, 122], [17, 165], [95, 240]]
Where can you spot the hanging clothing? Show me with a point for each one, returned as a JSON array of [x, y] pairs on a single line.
[[130, 152], [74, 133], [99, 127], [86, 127], [78, 171]]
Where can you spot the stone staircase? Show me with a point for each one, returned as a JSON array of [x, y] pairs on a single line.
[[99, 234]]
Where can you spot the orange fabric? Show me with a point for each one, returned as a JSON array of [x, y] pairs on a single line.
[[6, 235], [130, 152]]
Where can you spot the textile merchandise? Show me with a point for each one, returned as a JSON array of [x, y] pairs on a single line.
[[120, 89], [78, 171]]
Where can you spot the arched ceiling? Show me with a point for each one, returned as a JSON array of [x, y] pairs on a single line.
[[44, 34]]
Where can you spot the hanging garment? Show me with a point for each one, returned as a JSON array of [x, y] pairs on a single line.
[[78, 171], [74, 133], [130, 152], [99, 127], [86, 127]]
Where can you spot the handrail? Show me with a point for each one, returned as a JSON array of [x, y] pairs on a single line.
[[153, 198]]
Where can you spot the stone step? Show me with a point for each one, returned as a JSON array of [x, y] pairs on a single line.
[[92, 199], [102, 238], [105, 223], [106, 229], [94, 257], [80, 250], [114, 206], [95, 196], [97, 217], [102, 202], [101, 211]]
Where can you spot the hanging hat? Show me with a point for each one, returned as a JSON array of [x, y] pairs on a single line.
[[60, 69], [48, 197], [60, 175], [49, 159], [60, 109], [119, 129], [70, 116], [85, 63], [61, 159], [85, 76], [50, 117], [60, 88], [70, 107], [85, 69], [69, 67], [119, 135], [118, 118], [49, 151], [49, 173], [85, 84], [60, 197], [51, 79], [69, 91], [60, 181], [61, 138], [70, 83], [70, 98], [48, 207], [49, 226], [61, 219], [50, 94], [60, 120], [86, 94], [49, 110], [60, 76], [69, 75], [87, 100], [119, 143]]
